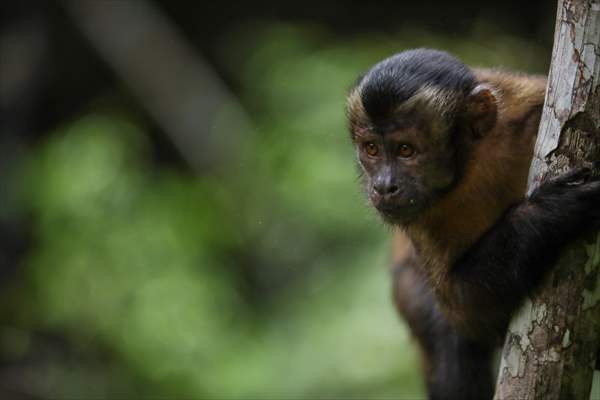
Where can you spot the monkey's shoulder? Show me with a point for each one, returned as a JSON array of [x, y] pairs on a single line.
[[508, 79], [515, 90], [520, 99]]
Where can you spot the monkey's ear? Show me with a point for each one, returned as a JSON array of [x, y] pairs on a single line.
[[481, 109]]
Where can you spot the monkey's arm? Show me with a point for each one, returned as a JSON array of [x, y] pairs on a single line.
[[491, 279], [455, 367]]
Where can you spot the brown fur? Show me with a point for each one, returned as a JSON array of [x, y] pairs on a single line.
[[495, 178], [451, 304], [355, 110]]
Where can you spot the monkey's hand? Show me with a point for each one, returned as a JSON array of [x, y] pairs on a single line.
[[573, 198], [492, 278]]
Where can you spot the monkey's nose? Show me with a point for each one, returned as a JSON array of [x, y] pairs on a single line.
[[386, 189]]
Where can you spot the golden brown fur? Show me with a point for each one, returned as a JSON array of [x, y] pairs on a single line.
[[487, 189], [464, 257], [355, 111]]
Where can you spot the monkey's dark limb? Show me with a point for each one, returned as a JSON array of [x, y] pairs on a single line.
[[510, 259], [455, 367]]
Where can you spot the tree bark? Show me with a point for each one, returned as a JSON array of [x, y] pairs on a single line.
[[552, 344]]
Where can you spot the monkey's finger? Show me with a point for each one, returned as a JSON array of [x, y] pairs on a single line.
[[574, 177]]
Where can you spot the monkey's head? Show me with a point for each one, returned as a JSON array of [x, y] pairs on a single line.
[[413, 118]]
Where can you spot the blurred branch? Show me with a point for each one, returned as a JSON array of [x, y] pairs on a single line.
[[172, 82], [23, 74]]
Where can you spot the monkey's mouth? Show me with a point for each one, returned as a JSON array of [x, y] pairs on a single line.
[[397, 214]]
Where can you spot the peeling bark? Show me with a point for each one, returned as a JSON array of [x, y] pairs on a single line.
[[552, 344]]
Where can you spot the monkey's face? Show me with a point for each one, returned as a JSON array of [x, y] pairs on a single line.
[[405, 114], [404, 169]]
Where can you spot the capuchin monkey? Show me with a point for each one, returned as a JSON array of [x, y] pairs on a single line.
[[444, 152]]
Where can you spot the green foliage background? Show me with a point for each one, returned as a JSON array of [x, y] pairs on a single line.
[[139, 267]]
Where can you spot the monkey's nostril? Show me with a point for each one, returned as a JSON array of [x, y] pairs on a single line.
[[393, 189], [385, 190]]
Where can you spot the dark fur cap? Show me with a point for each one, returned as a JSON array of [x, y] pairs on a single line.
[[396, 79]]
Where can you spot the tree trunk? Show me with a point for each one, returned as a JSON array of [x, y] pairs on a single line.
[[552, 344]]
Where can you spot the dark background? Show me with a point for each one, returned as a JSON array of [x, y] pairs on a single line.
[[179, 209]]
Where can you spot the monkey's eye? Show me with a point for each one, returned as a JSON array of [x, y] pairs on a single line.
[[406, 151], [371, 149]]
